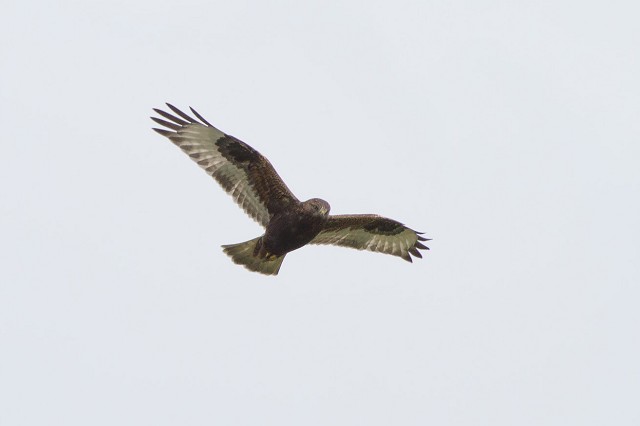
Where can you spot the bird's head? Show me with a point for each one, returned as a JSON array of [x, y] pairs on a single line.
[[317, 207]]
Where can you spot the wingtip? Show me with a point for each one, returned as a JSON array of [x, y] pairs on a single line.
[[407, 257], [200, 117], [420, 246], [166, 124], [414, 251], [165, 133]]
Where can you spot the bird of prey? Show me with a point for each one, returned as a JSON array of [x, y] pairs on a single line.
[[289, 223]]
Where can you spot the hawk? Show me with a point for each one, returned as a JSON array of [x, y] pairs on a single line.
[[289, 223]]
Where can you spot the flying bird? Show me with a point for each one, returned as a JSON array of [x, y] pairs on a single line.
[[289, 223]]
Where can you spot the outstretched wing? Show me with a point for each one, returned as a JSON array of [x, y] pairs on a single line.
[[241, 170], [372, 232]]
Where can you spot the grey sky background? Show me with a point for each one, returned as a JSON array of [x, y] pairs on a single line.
[[507, 131]]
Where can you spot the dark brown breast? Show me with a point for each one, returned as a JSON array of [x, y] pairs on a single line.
[[291, 229]]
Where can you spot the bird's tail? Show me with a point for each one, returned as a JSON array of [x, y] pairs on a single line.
[[252, 256]]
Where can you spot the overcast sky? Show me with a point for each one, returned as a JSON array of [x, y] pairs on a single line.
[[508, 131]]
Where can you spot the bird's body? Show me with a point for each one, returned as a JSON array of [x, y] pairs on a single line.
[[296, 227], [289, 224]]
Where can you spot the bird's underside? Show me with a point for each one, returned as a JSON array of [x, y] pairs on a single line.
[[256, 187]]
